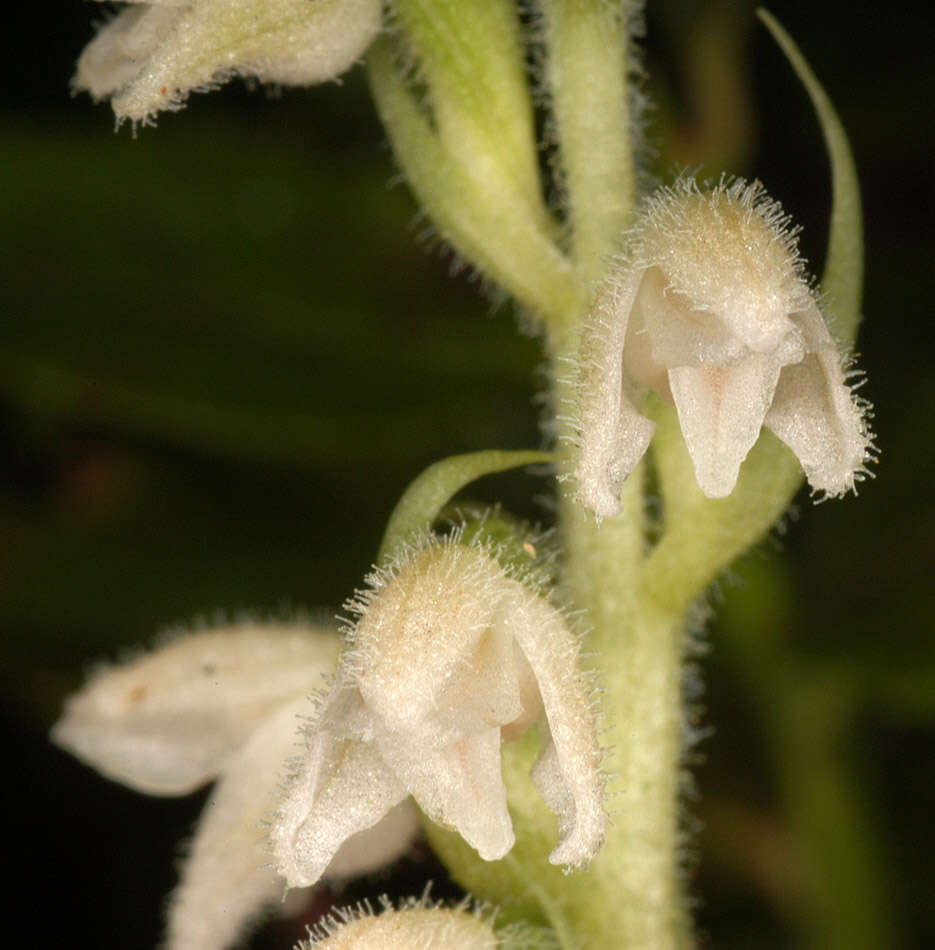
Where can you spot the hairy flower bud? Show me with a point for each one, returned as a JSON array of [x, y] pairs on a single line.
[[450, 655], [417, 925], [151, 55], [709, 307]]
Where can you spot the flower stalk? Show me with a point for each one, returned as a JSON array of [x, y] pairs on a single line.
[[474, 204], [462, 685], [587, 64], [640, 644]]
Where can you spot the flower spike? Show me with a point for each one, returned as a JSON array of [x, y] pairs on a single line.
[[709, 307], [450, 655]]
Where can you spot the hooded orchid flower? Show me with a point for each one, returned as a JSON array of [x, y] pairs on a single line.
[[710, 309], [449, 656]]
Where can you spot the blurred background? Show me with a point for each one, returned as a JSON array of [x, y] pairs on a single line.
[[227, 345]]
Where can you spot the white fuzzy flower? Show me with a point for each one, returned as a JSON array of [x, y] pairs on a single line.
[[417, 925], [218, 704], [450, 655], [710, 308], [151, 55]]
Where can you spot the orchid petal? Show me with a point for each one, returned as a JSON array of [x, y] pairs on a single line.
[[675, 333], [227, 879], [612, 434], [567, 773], [375, 847], [153, 59], [721, 411], [461, 787], [112, 60], [344, 787], [814, 413], [168, 722], [427, 661]]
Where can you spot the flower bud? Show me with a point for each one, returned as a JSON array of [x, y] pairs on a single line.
[[151, 55], [416, 925], [709, 308]]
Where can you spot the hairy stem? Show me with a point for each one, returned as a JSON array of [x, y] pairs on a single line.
[[586, 66], [637, 642]]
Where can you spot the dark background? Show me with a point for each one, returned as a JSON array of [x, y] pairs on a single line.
[[225, 349]]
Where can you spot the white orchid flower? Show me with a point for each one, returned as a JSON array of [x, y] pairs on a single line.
[[220, 704], [417, 925], [449, 656], [710, 308], [152, 55]]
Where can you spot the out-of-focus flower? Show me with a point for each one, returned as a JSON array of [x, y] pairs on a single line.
[[417, 925], [218, 704], [151, 55], [450, 655], [709, 307]]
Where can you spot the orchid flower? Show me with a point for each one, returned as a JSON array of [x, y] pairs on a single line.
[[218, 704], [151, 55], [450, 655], [418, 924], [710, 309]]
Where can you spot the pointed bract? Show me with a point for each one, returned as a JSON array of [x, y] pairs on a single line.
[[710, 308]]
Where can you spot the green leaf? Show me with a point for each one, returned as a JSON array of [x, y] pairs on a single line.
[[844, 267], [424, 499]]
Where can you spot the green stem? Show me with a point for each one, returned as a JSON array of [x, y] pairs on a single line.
[[587, 67], [633, 898], [486, 203], [638, 644]]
